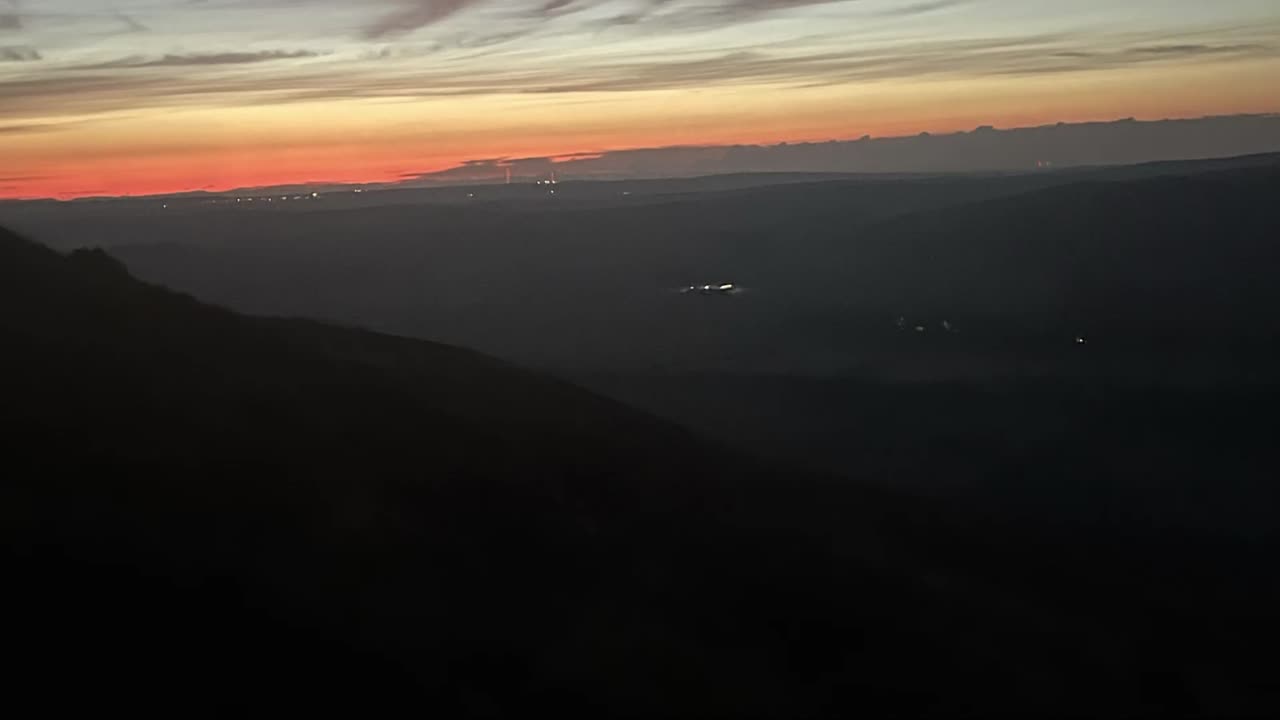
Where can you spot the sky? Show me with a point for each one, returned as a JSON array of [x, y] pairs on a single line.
[[123, 97]]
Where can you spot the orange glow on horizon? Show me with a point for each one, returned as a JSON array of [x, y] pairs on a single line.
[[355, 142]]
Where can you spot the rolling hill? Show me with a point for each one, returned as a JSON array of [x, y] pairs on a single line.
[[210, 510]]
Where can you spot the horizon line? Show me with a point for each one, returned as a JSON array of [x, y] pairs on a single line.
[[559, 158]]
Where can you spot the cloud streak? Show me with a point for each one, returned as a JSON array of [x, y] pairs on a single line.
[[410, 15], [199, 60], [114, 84], [19, 54]]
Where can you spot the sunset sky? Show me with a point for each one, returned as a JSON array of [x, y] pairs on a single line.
[[144, 96]]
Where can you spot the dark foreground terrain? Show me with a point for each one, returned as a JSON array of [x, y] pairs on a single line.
[[204, 509]]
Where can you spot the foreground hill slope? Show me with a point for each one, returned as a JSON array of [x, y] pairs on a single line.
[[205, 509]]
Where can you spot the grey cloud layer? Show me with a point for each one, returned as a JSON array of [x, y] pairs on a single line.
[[409, 15], [142, 81], [483, 60]]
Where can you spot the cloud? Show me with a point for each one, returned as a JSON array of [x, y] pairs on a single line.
[[411, 15], [552, 6], [19, 53], [515, 54], [756, 7], [131, 23], [1195, 49], [117, 84], [686, 16], [194, 60], [23, 129], [920, 8], [39, 127], [677, 16]]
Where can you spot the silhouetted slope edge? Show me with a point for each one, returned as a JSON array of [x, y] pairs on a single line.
[[251, 504], [203, 509]]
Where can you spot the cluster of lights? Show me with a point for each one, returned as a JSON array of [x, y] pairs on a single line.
[[283, 198], [948, 327], [711, 289]]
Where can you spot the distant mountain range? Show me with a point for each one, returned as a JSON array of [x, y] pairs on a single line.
[[1172, 255], [984, 149]]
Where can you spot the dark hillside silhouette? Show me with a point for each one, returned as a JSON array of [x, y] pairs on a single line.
[[282, 513], [255, 505]]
